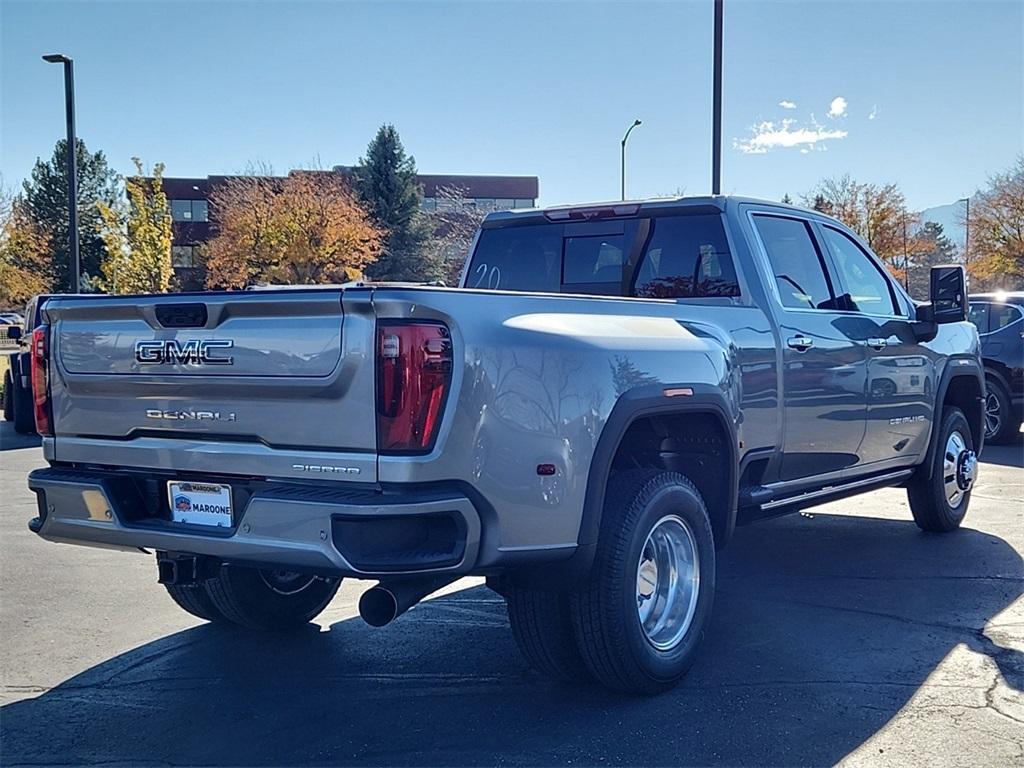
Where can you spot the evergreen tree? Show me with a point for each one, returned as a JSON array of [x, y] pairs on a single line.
[[385, 182], [46, 201], [787, 199], [822, 205], [929, 248]]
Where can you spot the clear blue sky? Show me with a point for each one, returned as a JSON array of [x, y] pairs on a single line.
[[926, 94]]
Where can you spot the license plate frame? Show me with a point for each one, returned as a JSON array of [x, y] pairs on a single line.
[[203, 504]]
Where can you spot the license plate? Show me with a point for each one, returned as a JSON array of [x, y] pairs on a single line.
[[200, 503]]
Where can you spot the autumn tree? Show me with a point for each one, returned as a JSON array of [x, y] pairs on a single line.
[[301, 229], [453, 225], [385, 182], [875, 212], [26, 264], [996, 246], [137, 235], [45, 194]]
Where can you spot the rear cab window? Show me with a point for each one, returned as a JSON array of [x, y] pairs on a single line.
[[679, 256]]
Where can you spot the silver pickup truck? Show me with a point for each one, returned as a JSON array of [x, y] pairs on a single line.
[[584, 421]]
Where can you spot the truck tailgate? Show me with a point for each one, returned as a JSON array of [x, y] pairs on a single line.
[[276, 383]]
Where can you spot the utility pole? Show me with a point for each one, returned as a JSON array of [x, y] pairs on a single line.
[[716, 119], [72, 166]]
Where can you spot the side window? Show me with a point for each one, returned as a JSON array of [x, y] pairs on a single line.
[[867, 288], [978, 314], [686, 257], [796, 264], [1002, 315]]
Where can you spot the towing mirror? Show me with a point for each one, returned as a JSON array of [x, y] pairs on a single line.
[[14, 332], [947, 304], [948, 294]]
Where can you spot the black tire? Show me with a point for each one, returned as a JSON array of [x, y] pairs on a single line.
[[195, 600], [24, 410], [259, 599], [999, 406], [929, 504], [8, 397], [543, 629], [611, 638]]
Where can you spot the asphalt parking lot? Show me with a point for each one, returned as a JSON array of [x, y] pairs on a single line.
[[844, 635]]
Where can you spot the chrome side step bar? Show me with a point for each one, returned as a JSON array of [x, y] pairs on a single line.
[[821, 495]]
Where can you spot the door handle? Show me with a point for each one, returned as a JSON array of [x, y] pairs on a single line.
[[800, 343], [878, 344]]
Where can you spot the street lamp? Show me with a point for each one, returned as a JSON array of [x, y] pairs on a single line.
[[628, 131], [69, 110], [967, 228]]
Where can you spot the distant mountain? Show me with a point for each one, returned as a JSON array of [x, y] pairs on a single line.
[[951, 218]]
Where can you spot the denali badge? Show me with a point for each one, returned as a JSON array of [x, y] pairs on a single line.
[[153, 413], [191, 352]]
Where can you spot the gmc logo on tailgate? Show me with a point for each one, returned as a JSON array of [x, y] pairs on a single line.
[[191, 352]]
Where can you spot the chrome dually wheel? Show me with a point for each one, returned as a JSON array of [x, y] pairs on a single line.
[[959, 466], [667, 582]]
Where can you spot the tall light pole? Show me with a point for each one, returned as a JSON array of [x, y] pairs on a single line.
[[72, 167], [623, 176], [967, 228], [716, 117]]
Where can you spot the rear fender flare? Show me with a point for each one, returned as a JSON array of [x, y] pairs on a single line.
[[632, 405]]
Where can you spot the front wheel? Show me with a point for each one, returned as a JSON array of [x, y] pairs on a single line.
[[1001, 424], [642, 615], [269, 599], [939, 501]]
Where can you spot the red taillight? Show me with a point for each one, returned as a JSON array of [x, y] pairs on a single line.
[[40, 383], [414, 371]]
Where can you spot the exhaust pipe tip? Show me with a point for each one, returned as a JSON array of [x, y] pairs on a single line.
[[378, 606]]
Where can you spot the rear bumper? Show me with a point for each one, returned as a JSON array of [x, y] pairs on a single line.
[[362, 533]]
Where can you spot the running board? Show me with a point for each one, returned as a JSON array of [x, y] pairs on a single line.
[[823, 495]]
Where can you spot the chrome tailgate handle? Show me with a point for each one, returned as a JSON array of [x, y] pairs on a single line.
[[800, 343], [878, 343]]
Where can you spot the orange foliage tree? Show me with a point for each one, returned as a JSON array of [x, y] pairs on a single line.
[[305, 228], [996, 247]]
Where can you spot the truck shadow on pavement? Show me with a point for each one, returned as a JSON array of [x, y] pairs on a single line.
[[11, 440], [824, 628]]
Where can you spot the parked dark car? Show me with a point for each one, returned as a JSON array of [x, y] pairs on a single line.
[[1000, 320], [18, 406]]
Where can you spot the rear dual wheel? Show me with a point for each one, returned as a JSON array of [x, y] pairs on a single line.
[[635, 626], [256, 598]]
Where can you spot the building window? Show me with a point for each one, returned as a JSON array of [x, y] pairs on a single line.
[[429, 204], [524, 203], [504, 203], [183, 256], [190, 210], [484, 203]]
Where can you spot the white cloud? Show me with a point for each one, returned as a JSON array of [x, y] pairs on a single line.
[[838, 107], [769, 135], [787, 104], [873, 113]]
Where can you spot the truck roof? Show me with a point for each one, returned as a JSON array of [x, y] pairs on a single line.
[[632, 207]]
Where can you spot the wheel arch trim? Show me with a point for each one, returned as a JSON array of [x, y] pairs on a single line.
[[639, 403]]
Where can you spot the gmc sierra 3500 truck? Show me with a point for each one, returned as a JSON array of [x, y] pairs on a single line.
[[584, 422]]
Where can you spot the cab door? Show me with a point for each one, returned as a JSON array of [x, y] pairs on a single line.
[[823, 365], [900, 370]]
